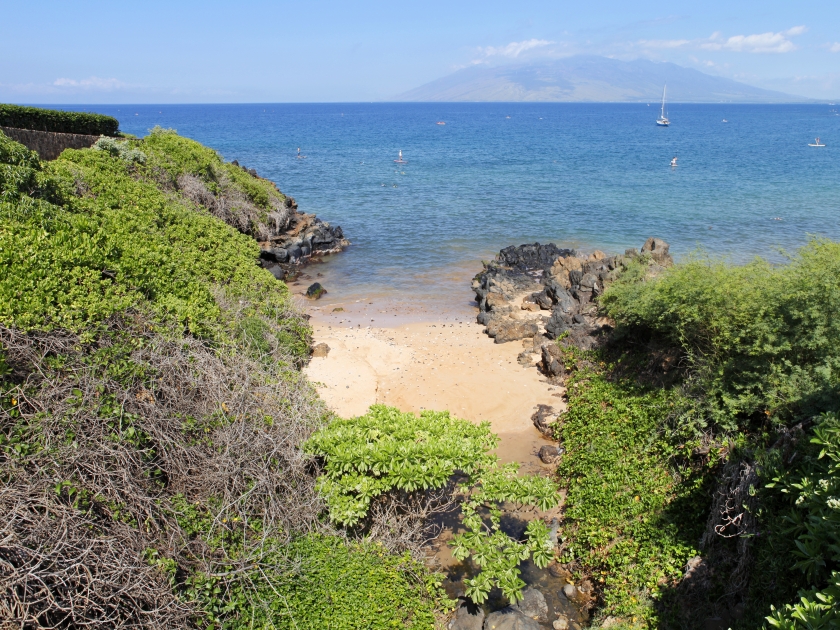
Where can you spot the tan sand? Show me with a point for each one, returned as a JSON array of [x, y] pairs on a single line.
[[433, 365]]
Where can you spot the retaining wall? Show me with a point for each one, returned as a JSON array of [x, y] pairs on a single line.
[[48, 144]]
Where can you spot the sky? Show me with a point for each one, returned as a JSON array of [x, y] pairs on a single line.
[[151, 51]]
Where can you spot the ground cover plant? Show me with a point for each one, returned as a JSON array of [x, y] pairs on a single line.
[[151, 410], [387, 457], [59, 121], [687, 453], [634, 515]]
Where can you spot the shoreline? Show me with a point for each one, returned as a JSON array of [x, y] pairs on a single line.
[[440, 363]]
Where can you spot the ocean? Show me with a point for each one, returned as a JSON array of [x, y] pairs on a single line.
[[591, 176]]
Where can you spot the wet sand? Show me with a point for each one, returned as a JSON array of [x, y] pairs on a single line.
[[418, 361]]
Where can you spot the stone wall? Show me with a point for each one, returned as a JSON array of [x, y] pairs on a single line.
[[48, 144]]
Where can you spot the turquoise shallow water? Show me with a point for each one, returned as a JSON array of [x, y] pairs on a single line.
[[585, 175]]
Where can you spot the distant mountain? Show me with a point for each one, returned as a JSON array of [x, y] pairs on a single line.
[[590, 78]]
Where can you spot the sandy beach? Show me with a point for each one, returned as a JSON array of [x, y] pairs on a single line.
[[445, 364]]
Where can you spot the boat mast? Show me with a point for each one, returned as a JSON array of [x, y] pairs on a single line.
[[662, 115]]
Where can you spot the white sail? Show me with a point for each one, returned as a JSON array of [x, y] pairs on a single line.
[[662, 121]]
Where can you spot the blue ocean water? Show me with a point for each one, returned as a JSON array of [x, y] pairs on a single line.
[[583, 175]]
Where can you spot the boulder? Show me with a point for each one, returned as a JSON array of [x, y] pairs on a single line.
[[543, 299], [533, 605], [504, 329], [589, 281], [315, 291], [561, 297], [321, 350], [530, 257], [552, 363], [467, 617], [495, 301], [277, 271], [569, 263], [295, 253], [543, 418], [525, 358], [280, 254], [559, 323], [658, 250], [510, 619], [561, 623], [597, 255], [550, 454]]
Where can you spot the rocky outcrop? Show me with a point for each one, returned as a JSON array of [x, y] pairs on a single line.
[[305, 237], [555, 290], [287, 236]]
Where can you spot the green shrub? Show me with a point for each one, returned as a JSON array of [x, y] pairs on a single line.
[[634, 518], [58, 121], [812, 522], [178, 155], [816, 609], [88, 235], [389, 452], [323, 582], [762, 341]]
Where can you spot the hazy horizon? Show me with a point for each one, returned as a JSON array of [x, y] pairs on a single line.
[[270, 52]]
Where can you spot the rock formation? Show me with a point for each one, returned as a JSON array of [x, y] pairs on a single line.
[[545, 292]]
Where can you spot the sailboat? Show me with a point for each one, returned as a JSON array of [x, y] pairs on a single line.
[[400, 160], [662, 121], [816, 143]]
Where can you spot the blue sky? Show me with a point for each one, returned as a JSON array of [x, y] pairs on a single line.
[[320, 50]]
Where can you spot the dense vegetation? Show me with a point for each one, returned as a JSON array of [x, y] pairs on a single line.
[[701, 462], [58, 121], [404, 461], [151, 409]]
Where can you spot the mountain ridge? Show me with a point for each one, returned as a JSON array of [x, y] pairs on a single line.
[[589, 78]]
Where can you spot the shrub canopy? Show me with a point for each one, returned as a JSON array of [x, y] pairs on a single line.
[[58, 121]]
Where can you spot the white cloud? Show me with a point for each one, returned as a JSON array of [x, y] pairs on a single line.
[[759, 43], [514, 49], [835, 47], [91, 83], [796, 30], [663, 43]]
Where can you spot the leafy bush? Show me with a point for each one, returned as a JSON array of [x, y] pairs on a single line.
[[252, 205], [71, 244], [816, 609], [58, 121], [813, 521], [323, 582], [120, 149], [761, 341], [389, 452], [633, 516]]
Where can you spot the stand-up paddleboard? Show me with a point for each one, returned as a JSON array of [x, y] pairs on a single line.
[[400, 159], [816, 143]]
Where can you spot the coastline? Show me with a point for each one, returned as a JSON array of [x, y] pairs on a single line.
[[439, 363]]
